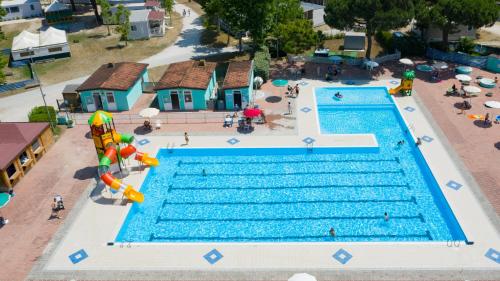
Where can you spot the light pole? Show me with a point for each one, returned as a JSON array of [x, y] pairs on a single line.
[[31, 52]]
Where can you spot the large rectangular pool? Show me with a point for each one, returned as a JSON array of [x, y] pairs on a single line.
[[295, 194]]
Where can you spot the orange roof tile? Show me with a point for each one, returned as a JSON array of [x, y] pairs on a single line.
[[187, 74], [237, 75], [114, 76]]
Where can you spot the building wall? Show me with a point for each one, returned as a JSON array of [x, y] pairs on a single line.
[[28, 9], [434, 34], [42, 52], [246, 93], [141, 32], [135, 92], [318, 17]]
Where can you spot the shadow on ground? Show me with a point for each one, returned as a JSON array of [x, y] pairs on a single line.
[[86, 173]]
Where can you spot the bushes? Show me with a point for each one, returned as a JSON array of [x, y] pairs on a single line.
[[262, 60], [386, 40], [409, 45], [466, 45], [39, 114]]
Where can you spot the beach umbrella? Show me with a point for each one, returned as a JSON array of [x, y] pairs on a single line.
[[475, 116], [252, 112], [463, 77], [149, 112], [371, 64], [4, 199], [258, 81], [302, 277], [492, 104], [406, 61], [424, 68], [100, 117], [472, 89], [440, 65]]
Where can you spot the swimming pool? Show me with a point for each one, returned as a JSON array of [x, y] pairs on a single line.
[[295, 194]]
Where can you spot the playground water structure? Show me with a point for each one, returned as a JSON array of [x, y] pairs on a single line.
[[296, 194]]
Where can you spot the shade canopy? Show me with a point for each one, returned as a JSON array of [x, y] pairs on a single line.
[[463, 77], [149, 112], [252, 112], [492, 104], [406, 61], [100, 117], [424, 68], [472, 89], [49, 37], [302, 277], [4, 199]]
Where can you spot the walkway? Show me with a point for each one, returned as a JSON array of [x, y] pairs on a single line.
[[16, 107]]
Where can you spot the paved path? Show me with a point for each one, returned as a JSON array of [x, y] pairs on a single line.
[[16, 107]]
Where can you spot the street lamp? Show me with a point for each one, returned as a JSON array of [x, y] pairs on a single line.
[[31, 52]]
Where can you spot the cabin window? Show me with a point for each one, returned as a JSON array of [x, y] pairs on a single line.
[[26, 54], [35, 145], [133, 28], [11, 170], [188, 97], [14, 9], [110, 97], [32, 7], [166, 99], [24, 158], [55, 49]]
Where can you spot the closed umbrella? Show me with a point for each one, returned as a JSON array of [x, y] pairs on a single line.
[[258, 81], [463, 77], [302, 277], [406, 61], [149, 112]]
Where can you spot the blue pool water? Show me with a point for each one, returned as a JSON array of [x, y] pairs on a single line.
[[296, 195]]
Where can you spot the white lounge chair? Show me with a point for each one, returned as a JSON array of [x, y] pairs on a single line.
[[158, 124]]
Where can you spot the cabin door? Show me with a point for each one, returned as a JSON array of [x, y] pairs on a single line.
[[174, 97]]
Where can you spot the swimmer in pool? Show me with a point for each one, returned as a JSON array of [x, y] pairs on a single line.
[[338, 95]]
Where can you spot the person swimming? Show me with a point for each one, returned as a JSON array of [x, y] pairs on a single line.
[[338, 95]]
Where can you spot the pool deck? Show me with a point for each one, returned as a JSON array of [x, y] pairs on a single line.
[[94, 222]]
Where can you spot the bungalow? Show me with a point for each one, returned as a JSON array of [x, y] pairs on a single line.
[[58, 12], [113, 87], [21, 146], [50, 43], [188, 85], [313, 12], [146, 23], [238, 85], [435, 33], [21, 9]]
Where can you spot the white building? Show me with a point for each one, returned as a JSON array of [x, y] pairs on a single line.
[[50, 43], [435, 34], [146, 23], [354, 41], [313, 12], [21, 9]]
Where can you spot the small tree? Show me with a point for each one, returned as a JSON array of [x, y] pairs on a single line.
[[168, 5], [122, 18], [106, 14], [215, 11], [296, 36]]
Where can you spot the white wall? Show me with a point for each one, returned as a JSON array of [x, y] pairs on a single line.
[[142, 30], [435, 34], [41, 52], [318, 17], [26, 10]]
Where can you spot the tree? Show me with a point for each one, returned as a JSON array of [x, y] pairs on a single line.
[[122, 17], [106, 14], [96, 12], [168, 5], [449, 14], [296, 36], [373, 14], [215, 11]]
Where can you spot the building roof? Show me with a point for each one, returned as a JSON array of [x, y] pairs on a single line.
[[139, 15], [70, 88], [156, 15], [15, 137], [8, 3], [48, 37], [56, 6], [114, 76], [187, 74], [152, 3], [237, 75], [306, 6]]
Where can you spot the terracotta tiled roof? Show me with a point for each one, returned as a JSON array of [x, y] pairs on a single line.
[[14, 137], [187, 74], [156, 15], [152, 3], [114, 76], [237, 75]]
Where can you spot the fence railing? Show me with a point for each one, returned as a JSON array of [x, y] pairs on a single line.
[[460, 58], [164, 118]]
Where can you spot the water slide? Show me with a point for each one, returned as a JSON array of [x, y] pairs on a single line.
[[396, 90], [110, 157]]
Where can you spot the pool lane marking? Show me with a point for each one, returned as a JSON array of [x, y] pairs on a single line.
[[180, 162], [411, 200], [208, 174], [172, 188], [159, 219], [427, 235]]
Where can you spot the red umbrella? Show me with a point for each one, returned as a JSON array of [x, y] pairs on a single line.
[[252, 112]]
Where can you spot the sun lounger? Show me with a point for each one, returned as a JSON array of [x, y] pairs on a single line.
[[158, 124]]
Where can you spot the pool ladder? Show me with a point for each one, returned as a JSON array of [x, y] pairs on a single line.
[[309, 147]]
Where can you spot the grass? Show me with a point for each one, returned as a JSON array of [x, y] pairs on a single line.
[[92, 48], [338, 44]]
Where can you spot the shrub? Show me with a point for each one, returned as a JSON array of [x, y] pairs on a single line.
[[39, 114], [409, 45], [262, 60], [386, 40], [340, 35], [466, 45]]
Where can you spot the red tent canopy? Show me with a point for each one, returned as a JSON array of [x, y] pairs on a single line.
[[252, 112]]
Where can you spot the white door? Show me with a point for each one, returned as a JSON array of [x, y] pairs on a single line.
[[110, 98], [166, 103], [188, 100], [90, 104]]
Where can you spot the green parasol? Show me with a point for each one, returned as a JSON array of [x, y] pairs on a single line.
[[100, 117], [4, 199]]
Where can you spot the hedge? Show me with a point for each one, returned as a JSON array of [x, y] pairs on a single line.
[[262, 60], [39, 114], [386, 40]]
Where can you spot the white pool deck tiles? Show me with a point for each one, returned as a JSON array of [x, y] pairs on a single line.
[[92, 224]]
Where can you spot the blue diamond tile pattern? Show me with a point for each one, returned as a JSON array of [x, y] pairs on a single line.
[[233, 141], [305, 109], [213, 256], [409, 109], [454, 185], [143, 142], [308, 140], [493, 255], [427, 138], [394, 82], [78, 256], [342, 256]]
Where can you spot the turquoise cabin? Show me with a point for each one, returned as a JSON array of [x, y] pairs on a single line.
[[187, 85], [113, 87], [238, 85]]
